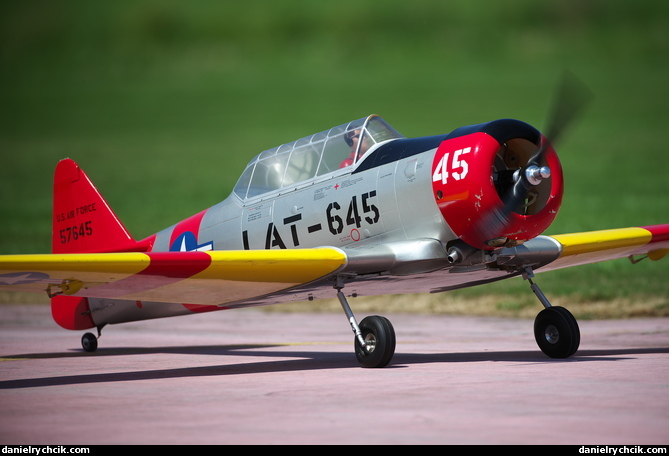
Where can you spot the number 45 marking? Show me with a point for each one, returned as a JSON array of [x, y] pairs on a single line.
[[458, 166]]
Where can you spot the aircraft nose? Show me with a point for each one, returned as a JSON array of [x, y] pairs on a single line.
[[489, 187]]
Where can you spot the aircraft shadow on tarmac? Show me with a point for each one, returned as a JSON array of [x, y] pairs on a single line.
[[298, 361]]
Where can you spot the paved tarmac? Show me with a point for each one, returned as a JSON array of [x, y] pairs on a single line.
[[254, 377]]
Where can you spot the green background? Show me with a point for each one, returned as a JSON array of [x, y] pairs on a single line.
[[164, 102]]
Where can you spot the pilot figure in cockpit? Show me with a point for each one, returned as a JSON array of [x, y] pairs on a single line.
[[352, 138]]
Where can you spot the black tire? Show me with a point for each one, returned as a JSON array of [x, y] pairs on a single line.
[[89, 342], [556, 332], [380, 334]]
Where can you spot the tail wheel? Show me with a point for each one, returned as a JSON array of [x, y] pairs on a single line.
[[379, 336], [556, 332], [89, 342]]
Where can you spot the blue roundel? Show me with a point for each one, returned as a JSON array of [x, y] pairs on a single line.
[[187, 242]]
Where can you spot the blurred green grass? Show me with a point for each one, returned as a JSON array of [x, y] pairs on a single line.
[[164, 102]]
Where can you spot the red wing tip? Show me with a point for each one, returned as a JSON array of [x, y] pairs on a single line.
[[660, 233]]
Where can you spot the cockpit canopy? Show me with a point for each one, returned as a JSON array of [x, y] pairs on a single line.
[[313, 156]]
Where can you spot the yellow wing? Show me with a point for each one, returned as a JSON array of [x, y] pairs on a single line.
[[596, 246], [210, 278]]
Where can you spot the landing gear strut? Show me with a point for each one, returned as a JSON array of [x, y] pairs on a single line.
[[374, 337], [555, 328]]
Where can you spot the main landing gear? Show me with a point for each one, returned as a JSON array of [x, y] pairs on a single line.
[[374, 337], [555, 328]]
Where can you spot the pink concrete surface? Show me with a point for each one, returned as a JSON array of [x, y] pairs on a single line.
[[254, 377]]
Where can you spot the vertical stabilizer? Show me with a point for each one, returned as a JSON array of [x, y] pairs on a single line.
[[83, 222]]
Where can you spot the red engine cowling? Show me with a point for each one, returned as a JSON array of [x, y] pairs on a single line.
[[472, 173]]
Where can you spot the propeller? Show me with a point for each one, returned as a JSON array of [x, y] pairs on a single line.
[[570, 99]]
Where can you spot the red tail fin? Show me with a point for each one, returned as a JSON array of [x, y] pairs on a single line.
[[83, 222]]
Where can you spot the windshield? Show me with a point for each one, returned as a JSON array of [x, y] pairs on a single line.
[[315, 155]]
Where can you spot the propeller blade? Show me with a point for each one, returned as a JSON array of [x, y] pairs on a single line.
[[570, 99]]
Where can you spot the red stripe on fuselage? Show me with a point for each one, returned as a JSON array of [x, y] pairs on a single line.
[[191, 224]]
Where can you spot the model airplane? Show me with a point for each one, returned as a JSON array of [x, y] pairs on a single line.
[[356, 210]]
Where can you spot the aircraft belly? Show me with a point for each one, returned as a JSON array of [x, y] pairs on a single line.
[[432, 282], [110, 311], [435, 282]]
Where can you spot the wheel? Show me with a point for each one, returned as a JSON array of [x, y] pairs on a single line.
[[556, 332], [379, 335], [89, 342]]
